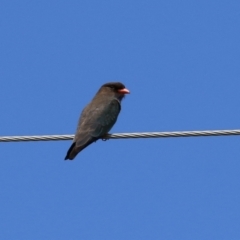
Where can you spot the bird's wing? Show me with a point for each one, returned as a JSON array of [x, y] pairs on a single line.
[[97, 121], [107, 118]]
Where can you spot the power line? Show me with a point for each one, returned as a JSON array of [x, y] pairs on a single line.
[[124, 135]]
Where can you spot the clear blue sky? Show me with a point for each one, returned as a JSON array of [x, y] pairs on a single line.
[[181, 62]]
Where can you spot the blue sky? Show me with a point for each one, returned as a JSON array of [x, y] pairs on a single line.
[[180, 60]]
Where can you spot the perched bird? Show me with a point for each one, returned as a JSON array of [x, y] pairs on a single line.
[[98, 117]]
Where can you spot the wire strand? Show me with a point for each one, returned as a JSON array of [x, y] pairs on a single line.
[[124, 135]]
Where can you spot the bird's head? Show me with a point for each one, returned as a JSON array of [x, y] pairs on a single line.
[[117, 88]]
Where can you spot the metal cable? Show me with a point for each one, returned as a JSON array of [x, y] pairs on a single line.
[[124, 135]]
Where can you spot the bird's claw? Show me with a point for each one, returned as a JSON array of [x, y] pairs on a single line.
[[106, 137]]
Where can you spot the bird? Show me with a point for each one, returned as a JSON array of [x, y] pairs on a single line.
[[98, 117]]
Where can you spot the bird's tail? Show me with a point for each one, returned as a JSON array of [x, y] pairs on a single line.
[[75, 149], [71, 153]]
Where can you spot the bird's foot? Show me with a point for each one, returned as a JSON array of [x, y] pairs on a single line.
[[106, 137]]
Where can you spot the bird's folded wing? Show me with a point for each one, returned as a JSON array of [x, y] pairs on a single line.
[[96, 122], [107, 118]]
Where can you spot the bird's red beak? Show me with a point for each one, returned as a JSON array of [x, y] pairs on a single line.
[[124, 91]]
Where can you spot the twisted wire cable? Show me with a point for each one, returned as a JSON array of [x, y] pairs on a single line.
[[124, 135]]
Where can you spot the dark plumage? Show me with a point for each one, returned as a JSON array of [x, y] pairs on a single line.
[[98, 117]]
